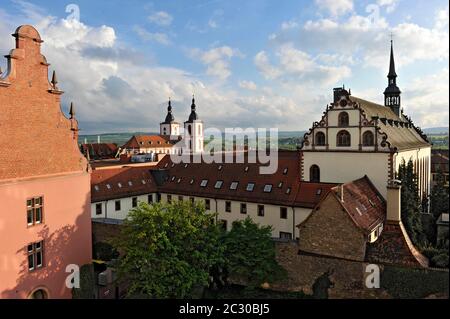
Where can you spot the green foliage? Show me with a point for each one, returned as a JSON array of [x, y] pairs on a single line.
[[169, 249], [87, 283], [104, 251], [250, 253], [410, 203], [413, 283], [439, 199]]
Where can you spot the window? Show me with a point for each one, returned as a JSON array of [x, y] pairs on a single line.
[[234, 185], [117, 205], [180, 198], [98, 209], [368, 139], [35, 255], [246, 169], [150, 198], [285, 236], [320, 139], [144, 182], [207, 204], [283, 212], [228, 206], [192, 199], [267, 188], [134, 202], [120, 185], [218, 185], [179, 180], [343, 119], [343, 138], [319, 191], [191, 181], [314, 174], [261, 210], [223, 224], [288, 190], [204, 183], [130, 183], [285, 171], [250, 187], [169, 199], [96, 188], [220, 167], [35, 210], [173, 178], [243, 208]]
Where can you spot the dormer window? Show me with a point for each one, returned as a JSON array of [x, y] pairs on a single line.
[[267, 188]]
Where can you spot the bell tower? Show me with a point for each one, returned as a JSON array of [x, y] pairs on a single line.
[[392, 92]]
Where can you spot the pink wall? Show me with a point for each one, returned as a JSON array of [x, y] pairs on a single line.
[[66, 232]]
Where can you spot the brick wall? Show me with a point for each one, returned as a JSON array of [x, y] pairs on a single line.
[[330, 231]]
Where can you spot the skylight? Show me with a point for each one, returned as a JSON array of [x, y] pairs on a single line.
[[288, 190], [191, 182], [179, 180], [319, 191], [167, 164], [130, 183], [218, 185], [173, 165], [204, 183], [285, 171], [246, 168], [267, 188], [120, 185], [108, 186], [144, 182], [185, 165], [280, 184], [250, 187], [234, 185], [220, 167], [96, 188], [173, 178]]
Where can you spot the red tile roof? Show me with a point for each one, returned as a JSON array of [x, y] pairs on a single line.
[[141, 180], [99, 151], [286, 188], [363, 203], [148, 141]]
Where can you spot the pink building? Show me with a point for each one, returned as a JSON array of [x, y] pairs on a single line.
[[44, 179]]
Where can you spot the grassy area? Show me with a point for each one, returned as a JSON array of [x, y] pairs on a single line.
[[408, 283]]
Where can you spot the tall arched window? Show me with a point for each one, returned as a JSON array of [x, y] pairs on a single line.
[[343, 139], [343, 119], [314, 174], [320, 139], [368, 139]]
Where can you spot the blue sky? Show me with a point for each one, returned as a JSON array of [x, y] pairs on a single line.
[[253, 63]]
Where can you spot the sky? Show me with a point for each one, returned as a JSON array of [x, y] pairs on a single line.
[[252, 63]]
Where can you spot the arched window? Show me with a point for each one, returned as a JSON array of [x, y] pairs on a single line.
[[189, 129], [314, 174], [343, 138], [343, 119], [320, 139], [368, 139], [39, 294]]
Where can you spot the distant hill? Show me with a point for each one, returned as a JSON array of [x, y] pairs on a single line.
[[436, 130]]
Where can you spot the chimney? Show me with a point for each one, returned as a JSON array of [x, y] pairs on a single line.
[[338, 92], [98, 139], [393, 201]]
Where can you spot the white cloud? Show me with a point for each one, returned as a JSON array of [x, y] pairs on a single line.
[[217, 60], [248, 85], [390, 5], [287, 25], [262, 62], [161, 18], [335, 7], [158, 37]]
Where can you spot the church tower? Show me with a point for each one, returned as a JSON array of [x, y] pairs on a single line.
[[169, 127], [193, 131], [392, 92]]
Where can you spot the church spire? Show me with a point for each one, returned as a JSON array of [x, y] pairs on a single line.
[[193, 116], [169, 117], [392, 92]]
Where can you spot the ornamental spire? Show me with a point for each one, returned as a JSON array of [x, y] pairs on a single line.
[[72, 111]]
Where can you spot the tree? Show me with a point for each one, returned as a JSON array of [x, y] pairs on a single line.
[[169, 249], [87, 283], [410, 203], [439, 196], [250, 253]]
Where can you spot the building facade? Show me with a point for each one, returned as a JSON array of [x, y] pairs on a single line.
[[44, 179]]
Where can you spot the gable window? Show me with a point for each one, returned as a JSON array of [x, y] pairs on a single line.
[[243, 208], [283, 213], [234, 185], [34, 210], [134, 202], [228, 206], [218, 185], [314, 174], [320, 139], [98, 209], [368, 139], [343, 139], [207, 204], [250, 187], [117, 205], [267, 188], [35, 252], [261, 210], [204, 183], [343, 119]]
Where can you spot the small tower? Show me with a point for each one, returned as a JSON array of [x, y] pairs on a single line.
[[392, 92], [169, 127], [193, 131]]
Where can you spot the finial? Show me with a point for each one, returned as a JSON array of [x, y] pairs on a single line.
[[72, 110], [54, 80]]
